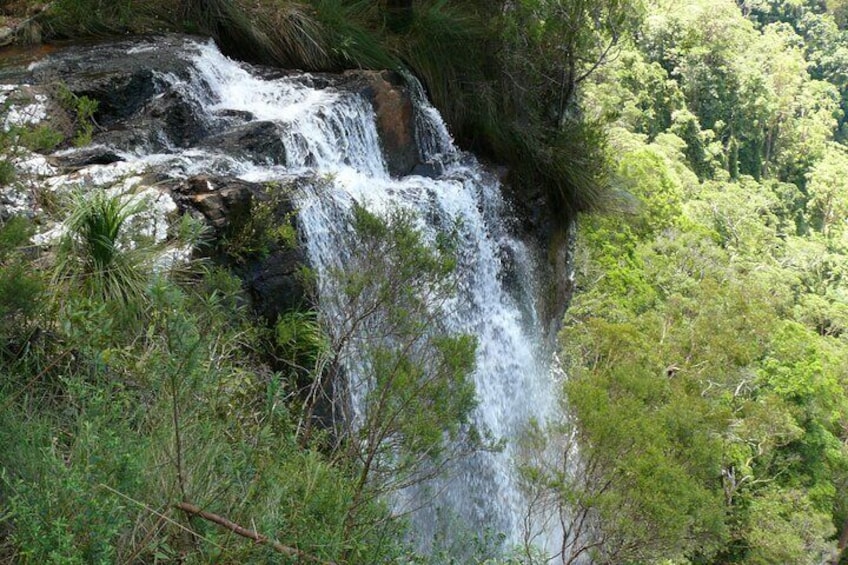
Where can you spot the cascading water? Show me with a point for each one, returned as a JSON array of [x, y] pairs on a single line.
[[333, 134]]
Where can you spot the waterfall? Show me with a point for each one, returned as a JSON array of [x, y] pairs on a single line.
[[332, 134]]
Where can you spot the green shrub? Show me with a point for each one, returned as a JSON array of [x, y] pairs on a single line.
[[21, 287], [300, 337], [80, 18], [92, 259], [83, 109], [7, 172], [41, 138]]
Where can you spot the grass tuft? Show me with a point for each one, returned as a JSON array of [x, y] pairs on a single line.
[[91, 256]]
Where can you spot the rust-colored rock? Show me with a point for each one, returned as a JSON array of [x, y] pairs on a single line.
[[395, 113]]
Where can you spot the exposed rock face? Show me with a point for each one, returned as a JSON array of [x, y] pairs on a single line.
[[535, 221], [224, 202], [134, 105], [93, 155], [257, 141], [395, 117], [272, 275], [139, 109]]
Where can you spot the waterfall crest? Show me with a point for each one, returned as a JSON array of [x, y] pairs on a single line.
[[332, 134]]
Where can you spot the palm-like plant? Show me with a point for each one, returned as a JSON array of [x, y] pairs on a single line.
[[91, 257]]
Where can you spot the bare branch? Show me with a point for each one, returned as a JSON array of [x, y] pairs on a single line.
[[250, 534]]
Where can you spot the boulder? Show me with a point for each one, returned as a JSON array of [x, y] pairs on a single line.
[[224, 202], [273, 277], [80, 158], [395, 112], [122, 75], [259, 142], [125, 77]]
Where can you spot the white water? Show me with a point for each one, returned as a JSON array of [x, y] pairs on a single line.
[[333, 134]]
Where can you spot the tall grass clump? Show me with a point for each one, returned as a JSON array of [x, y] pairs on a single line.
[[95, 257], [571, 166], [446, 47], [7, 172], [296, 39], [353, 34], [102, 18]]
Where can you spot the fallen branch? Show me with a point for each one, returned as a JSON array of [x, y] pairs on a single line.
[[250, 534]]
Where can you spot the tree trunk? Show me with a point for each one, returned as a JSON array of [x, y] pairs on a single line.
[[841, 545]]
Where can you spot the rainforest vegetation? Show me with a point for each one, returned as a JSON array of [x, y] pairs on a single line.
[[146, 413]]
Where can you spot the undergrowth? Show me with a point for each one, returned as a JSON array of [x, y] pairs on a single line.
[[108, 420]]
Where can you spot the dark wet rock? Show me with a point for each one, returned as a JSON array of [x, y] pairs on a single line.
[[430, 169], [79, 158], [237, 116], [271, 275], [121, 75], [136, 106], [177, 118], [225, 202], [534, 220], [167, 119], [276, 284], [392, 102], [259, 142]]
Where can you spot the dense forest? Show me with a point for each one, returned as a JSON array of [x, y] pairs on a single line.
[[700, 147], [706, 344]]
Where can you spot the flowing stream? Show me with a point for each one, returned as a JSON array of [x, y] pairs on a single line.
[[333, 134]]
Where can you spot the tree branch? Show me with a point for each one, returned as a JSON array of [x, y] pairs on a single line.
[[250, 534]]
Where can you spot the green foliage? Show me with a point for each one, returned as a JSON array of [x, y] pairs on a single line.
[[301, 338], [41, 139], [67, 517], [20, 287], [707, 294], [414, 379], [95, 254], [706, 363], [258, 228], [7, 172], [83, 109], [786, 528], [402, 279], [828, 191], [103, 431], [134, 388], [746, 99]]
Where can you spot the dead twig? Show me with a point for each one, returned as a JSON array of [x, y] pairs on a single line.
[[250, 534]]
